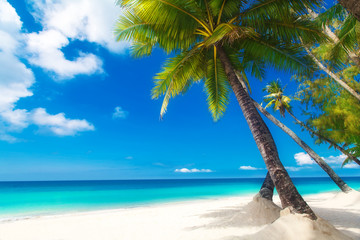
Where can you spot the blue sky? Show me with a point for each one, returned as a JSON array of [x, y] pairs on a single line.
[[74, 105]]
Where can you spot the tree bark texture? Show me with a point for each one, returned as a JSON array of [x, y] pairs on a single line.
[[341, 149], [267, 189], [288, 193], [353, 6], [341, 184]]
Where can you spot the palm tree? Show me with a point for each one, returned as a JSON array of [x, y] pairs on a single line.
[[353, 6], [212, 38], [275, 97]]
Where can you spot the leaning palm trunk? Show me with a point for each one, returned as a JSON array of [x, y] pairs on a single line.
[[288, 193], [353, 6], [349, 155], [341, 184], [332, 75], [267, 188]]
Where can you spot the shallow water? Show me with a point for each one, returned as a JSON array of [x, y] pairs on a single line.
[[20, 199]]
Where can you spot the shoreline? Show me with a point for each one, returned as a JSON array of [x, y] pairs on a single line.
[[68, 213], [214, 218], [74, 211]]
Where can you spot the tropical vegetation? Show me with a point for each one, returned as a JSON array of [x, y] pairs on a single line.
[[331, 96], [280, 102]]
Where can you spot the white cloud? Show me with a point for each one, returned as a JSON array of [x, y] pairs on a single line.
[[335, 159], [45, 51], [58, 124], [16, 81], [249, 168], [193, 170], [296, 169], [352, 165], [9, 19], [15, 77], [303, 159], [87, 20], [120, 113], [16, 119], [65, 21]]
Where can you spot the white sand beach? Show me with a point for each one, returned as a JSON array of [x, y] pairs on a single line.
[[223, 218]]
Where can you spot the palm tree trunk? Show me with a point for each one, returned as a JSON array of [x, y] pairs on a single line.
[[267, 188], [353, 6], [288, 193], [332, 75], [341, 184], [349, 155]]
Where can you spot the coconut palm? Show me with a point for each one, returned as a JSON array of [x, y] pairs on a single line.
[[209, 40], [276, 99]]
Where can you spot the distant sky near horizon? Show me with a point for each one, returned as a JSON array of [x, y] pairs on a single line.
[[74, 105]]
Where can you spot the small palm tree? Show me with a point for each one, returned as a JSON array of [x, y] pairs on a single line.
[[211, 39], [275, 97]]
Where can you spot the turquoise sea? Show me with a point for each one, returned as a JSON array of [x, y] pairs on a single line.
[[23, 199]]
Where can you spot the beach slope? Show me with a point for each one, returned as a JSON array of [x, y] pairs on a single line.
[[223, 218]]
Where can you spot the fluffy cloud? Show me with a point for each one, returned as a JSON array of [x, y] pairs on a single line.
[[193, 170], [16, 81], [335, 159], [303, 159], [58, 124], [85, 20], [351, 165], [120, 113], [65, 21], [15, 77], [45, 48], [249, 168]]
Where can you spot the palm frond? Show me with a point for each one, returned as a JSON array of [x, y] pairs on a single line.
[[217, 88], [177, 75]]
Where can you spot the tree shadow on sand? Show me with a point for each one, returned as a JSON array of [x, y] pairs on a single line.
[[341, 219], [257, 213]]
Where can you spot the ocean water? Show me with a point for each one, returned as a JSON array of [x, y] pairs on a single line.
[[23, 199]]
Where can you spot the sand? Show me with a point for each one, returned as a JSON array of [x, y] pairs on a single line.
[[222, 218]]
